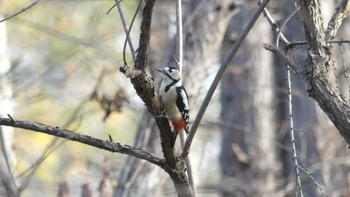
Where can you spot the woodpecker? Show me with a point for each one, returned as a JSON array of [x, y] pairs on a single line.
[[174, 98]]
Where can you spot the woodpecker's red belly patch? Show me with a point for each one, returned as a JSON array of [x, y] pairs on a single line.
[[179, 124]]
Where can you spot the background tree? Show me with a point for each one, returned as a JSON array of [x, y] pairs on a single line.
[[65, 74]]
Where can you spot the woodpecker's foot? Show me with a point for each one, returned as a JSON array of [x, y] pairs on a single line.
[[162, 115]]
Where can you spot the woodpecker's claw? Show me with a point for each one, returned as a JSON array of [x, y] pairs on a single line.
[[162, 115]]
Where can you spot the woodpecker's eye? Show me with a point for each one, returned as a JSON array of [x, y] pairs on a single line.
[[170, 70]]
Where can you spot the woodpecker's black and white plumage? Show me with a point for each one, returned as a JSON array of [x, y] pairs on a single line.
[[174, 98]]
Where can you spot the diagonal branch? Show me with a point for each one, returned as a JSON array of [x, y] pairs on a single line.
[[317, 64], [218, 77], [275, 26], [85, 139], [127, 30], [21, 11], [295, 68], [339, 15]]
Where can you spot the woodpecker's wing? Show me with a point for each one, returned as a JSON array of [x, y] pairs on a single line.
[[182, 103]]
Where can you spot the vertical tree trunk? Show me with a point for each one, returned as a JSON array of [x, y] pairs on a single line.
[[248, 116]]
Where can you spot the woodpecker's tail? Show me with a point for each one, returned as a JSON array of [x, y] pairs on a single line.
[[179, 125]]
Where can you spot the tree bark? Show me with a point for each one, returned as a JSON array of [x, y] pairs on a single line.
[[317, 66], [248, 131]]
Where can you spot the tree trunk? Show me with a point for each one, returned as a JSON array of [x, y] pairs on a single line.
[[248, 132]]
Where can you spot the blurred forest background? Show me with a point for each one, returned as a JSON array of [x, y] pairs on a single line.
[[59, 65]]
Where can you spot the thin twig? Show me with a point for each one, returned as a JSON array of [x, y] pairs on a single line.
[[85, 139], [128, 35], [296, 43], [274, 26], [110, 9], [127, 31], [57, 142], [179, 35], [285, 58], [179, 61], [279, 32], [20, 12], [291, 120], [188, 164], [314, 179], [292, 138], [8, 115]]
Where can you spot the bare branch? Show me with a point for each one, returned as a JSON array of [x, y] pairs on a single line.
[[292, 138], [21, 11], [301, 43], [317, 64], [110, 9], [128, 35], [57, 142], [179, 61], [339, 15], [145, 35], [85, 139], [218, 77], [127, 31], [179, 35], [274, 26], [144, 85], [285, 58], [279, 33], [6, 176], [314, 179]]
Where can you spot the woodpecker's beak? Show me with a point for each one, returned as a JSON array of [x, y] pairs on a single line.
[[160, 70]]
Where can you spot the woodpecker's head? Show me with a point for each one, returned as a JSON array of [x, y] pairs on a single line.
[[170, 73]]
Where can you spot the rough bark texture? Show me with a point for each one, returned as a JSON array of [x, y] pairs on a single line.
[[144, 86], [336, 21], [317, 65]]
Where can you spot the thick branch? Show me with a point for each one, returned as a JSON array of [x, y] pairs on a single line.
[[145, 35], [144, 85], [318, 61], [337, 19], [313, 24], [332, 104], [85, 139]]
